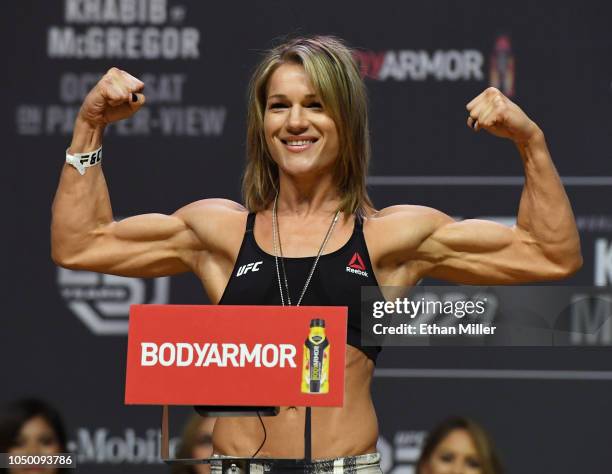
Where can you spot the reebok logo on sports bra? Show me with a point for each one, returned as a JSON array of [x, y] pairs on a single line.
[[253, 267], [356, 265]]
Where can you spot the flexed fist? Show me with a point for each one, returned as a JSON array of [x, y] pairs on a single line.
[[494, 112], [116, 96]]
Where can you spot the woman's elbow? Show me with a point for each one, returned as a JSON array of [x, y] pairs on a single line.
[[574, 264], [63, 258], [566, 267]]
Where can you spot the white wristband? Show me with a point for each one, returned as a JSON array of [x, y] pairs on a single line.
[[84, 160]]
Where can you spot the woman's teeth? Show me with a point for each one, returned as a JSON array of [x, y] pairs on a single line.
[[299, 142]]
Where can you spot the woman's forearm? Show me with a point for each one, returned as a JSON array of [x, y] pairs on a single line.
[[82, 202], [545, 212]]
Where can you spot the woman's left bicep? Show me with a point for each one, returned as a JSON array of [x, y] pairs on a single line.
[[477, 251]]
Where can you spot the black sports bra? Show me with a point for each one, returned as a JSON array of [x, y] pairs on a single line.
[[337, 280]]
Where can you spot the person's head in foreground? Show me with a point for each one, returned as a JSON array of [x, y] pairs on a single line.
[[307, 120], [196, 443], [458, 446], [31, 427]]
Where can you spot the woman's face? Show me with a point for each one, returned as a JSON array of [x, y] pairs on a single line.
[[203, 447], [301, 136], [36, 437], [455, 454]]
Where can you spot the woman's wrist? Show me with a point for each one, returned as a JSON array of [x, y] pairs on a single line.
[[533, 139], [86, 137]]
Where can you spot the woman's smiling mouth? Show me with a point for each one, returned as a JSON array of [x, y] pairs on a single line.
[[298, 145]]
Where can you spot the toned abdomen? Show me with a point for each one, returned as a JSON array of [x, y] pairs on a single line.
[[346, 431]]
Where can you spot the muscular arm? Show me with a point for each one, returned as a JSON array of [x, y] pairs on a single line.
[[543, 245], [84, 235]]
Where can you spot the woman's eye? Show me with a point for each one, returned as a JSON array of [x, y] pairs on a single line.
[[315, 105], [277, 105]]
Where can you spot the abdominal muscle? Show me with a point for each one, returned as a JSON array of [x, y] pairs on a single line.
[[349, 430]]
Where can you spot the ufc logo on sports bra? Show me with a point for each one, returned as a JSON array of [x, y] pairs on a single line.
[[253, 267]]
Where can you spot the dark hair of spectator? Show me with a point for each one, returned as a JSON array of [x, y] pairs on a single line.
[[15, 414]]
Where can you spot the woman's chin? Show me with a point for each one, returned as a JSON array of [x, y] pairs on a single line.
[[304, 174], [304, 169]]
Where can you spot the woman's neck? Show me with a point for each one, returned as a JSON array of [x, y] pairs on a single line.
[[302, 198]]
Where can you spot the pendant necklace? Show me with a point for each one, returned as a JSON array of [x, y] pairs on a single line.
[[278, 254]]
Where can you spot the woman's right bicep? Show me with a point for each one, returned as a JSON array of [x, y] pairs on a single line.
[[147, 245]]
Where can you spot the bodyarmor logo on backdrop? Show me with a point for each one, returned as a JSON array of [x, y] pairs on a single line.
[[441, 65], [420, 65], [112, 31], [102, 302]]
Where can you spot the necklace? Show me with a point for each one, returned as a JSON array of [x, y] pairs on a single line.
[[278, 251]]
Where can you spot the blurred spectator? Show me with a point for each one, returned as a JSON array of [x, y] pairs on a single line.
[[459, 446], [196, 443], [31, 427]]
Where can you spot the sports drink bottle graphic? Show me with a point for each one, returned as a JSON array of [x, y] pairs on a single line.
[[502, 67], [315, 371]]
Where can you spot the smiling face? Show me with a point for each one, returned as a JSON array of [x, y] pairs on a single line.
[[301, 136], [36, 437], [455, 454]]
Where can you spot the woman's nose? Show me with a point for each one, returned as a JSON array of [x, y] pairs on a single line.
[[296, 120], [33, 448], [458, 468]]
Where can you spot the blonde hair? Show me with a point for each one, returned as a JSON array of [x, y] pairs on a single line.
[[330, 66], [487, 454]]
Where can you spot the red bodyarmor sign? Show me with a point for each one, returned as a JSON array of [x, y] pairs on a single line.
[[236, 355]]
